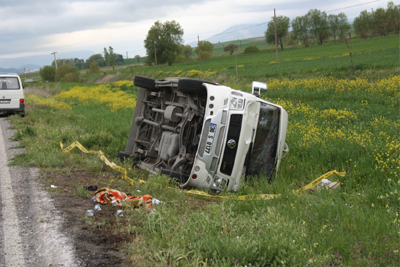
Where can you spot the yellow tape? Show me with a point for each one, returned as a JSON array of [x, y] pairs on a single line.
[[195, 192], [244, 197], [103, 158], [270, 196]]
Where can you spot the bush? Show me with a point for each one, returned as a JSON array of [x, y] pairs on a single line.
[[180, 59], [291, 41], [94, 67], [67, 73], [205, 55], [147, 61], [48, 73], [251, 49], [230, 48]]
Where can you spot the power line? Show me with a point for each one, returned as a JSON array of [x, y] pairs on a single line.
[[222, 33], [354, 6]]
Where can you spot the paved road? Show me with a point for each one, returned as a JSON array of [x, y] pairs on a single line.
[[29, 222]]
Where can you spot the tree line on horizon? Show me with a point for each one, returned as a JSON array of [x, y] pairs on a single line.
[[164, 42], [109, 59], [68, 70], [320, 26]]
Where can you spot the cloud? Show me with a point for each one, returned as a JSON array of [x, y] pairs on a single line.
[[30, 20]]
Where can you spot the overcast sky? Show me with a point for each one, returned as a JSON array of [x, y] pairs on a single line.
[[41, 27]]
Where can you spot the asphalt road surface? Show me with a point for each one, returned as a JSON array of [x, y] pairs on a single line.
[[29, 222]]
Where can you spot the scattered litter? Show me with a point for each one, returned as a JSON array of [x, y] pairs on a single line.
[[326, 183], [120, 213], [314, 184], [91, 187], [53, 186], [92, 199], [89, 213], [138, 191], [97, 207], [106, 196], [156, 201], [114, 203], [333, 185]]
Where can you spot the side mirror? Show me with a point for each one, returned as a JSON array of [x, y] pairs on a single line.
[[258, 86]]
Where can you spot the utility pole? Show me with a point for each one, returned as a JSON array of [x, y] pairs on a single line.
[[237, 76], [276, 38], [198, 46], [55, 61], [155, 54], [126, 54]]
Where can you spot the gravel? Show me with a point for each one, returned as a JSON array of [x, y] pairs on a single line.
[[29, 222]]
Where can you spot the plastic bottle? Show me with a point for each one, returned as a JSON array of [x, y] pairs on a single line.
[[120, 213]]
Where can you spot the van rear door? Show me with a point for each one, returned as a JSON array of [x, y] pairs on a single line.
[[10, 93]]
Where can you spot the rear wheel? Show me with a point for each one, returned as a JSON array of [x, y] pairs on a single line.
[[145, 82], [192, 86]]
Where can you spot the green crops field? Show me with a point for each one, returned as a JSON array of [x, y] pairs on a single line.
[[339, 119], [331, 59]]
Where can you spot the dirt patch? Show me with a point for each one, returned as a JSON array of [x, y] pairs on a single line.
[[44, 91], [96, 240], [106, 79]]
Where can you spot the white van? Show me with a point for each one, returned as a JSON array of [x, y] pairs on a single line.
[[11, 94], [204, 134]]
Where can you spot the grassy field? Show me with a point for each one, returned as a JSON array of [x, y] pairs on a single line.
[[372, 58], [339, 119]]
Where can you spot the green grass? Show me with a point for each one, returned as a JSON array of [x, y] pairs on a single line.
[[329, 59], [349, 125]]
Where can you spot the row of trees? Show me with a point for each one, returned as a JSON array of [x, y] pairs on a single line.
[[109, 59], [317, 24], [64, 73], [379, 22], [68, 70]]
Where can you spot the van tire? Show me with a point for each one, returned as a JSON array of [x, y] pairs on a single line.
[[192, 86], [145, 82]]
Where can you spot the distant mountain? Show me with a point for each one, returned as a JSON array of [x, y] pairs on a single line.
[[39, 61], [12, 70], [237, 32], [21, 69]]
